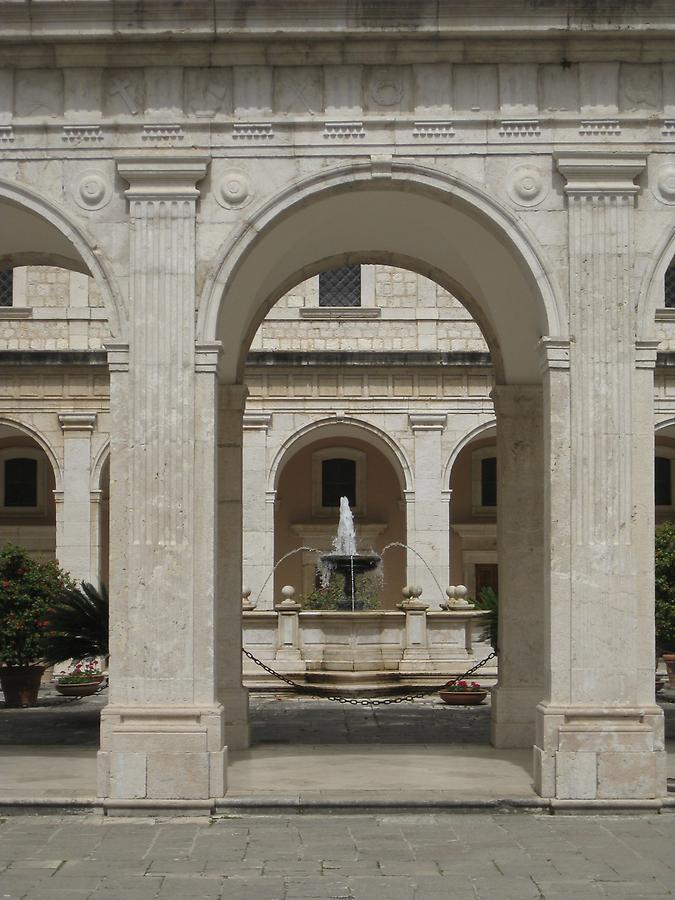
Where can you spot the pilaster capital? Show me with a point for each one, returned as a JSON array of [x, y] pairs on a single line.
[[77, 422], [207, 357], [427, 421], [516, 400], [554, 353], [600, 173], [118, 356], [645, 354], [158, 178], [256, 421]]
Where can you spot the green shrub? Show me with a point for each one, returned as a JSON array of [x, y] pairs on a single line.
[[327, 598], [664, 601], [79, 624], [29, 594]]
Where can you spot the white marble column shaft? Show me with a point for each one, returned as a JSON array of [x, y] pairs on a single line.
[[76, 528], [162, 733], [520, 543], [429, 527], [258, 537], [599, 732]]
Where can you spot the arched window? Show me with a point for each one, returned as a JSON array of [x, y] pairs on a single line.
[[22, 481], [669, 286], [7, 287], [340, 287], [338, 472], [663, 476], [484, 482]]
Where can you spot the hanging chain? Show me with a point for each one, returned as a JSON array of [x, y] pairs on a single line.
[[355, 701]]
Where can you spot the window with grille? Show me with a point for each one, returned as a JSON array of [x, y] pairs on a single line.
[[338, 479], [21, 482], [488, 481], [7, 287], [669, 287], [662, 481], [340, 287]]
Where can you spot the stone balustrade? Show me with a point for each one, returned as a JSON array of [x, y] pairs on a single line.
[[411, 641]]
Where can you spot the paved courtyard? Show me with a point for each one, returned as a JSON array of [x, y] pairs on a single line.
[[425, 857]]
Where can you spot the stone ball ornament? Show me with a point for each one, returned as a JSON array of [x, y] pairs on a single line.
[[527, 186], [234, 190], [92, 191], [664, 187]]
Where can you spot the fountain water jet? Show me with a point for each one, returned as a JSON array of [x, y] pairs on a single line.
[[346, 560]]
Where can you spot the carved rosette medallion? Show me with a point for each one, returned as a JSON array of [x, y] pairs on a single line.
[[527, 186], [664, 185], [234, 189], [92, 191]]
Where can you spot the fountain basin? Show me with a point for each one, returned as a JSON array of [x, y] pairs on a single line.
[[350, 567]]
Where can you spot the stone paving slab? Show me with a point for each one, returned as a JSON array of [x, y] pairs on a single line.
[[420, 857]]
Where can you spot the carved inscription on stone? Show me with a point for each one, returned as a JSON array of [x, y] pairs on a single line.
[[38, 92], [208, 92], [124, 92], [639, 87], [387, 88], [298, 90]]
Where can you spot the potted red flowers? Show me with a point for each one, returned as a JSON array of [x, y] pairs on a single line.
[[82, 680], [29, 592], [463, 693]]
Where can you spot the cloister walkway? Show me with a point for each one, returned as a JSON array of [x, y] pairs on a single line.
[[306, 753]]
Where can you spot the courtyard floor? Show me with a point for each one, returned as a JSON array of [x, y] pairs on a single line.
[[306, 753]]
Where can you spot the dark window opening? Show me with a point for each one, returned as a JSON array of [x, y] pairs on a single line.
[[338, 479], [662, 481], [669, 287], [488, 481], [21, 482], [340, 287], [7, 287]]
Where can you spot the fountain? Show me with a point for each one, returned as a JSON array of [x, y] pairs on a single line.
[[346, 560]]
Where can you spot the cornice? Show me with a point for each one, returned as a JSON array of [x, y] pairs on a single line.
[[600, 172], [206, 20], [154, 177]]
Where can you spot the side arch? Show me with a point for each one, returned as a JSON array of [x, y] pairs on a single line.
[[42, 442], [289, 237], [468, 438], [64, 243], [348, 426], [651, 293], [100, 460]]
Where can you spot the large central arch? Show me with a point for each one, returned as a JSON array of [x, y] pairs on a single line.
[[405, 215]]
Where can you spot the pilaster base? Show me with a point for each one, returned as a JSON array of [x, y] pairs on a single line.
[[237, 728], [162, 753], [590, 753], [513, 716]]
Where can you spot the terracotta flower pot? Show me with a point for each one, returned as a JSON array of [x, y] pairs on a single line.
[[669, 660], [463, 698], [20, 685], [80, 689]]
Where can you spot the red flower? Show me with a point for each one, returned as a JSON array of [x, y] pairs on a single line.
[[6, 584]]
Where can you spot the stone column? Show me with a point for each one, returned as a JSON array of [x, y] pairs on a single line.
[[416, 657], [599, 732], [430, 532], [520, 542], [259, 513], [162, 734], [288, 657], [76, 531], [231, 692]]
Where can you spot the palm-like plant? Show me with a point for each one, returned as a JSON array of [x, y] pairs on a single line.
[[488, 602], [79, 624]]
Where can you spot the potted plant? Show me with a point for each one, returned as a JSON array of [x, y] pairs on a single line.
[[463, 693], [664, 597], [82, 680], [29, 591]]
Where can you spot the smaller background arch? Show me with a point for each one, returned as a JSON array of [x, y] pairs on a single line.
[[651, 295], [485, 429], [336, 428], [39, 439]]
